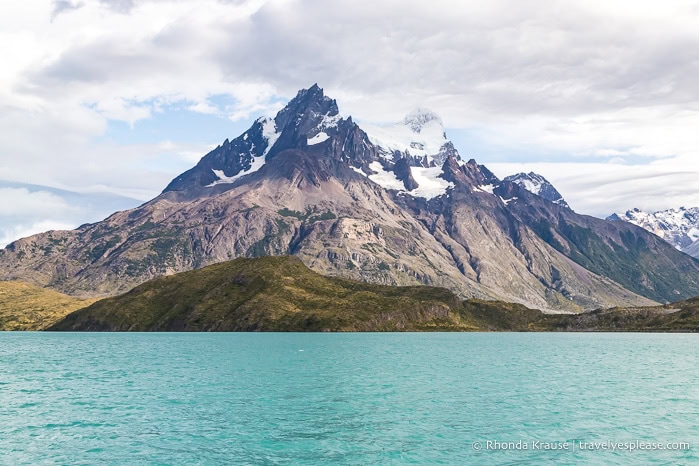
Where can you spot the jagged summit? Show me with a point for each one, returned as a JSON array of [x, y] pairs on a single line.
[[304, 118], [537, 184], [307, 119], [408, 156]]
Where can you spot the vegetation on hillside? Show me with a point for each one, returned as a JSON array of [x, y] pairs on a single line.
[[28, 307], [282, 294]]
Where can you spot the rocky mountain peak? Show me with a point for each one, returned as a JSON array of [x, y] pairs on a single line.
[[307, 111], [537, 184], [309, 118]]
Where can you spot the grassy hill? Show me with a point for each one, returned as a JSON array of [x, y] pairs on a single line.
[[27, 307], [282, 294]]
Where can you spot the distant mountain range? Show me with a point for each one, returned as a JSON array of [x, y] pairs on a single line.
[[388, 205], [679, 227]]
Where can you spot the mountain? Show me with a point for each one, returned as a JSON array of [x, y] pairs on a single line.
[[537, 184], [28, 307], [394, 206], [679, 227], [282, 294]]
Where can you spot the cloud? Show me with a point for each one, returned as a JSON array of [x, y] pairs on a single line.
[[32, 212], [17, 231], [26, 203], [579, 82], [30, 209]]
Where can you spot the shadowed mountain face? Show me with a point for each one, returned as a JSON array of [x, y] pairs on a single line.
[[392, 205]]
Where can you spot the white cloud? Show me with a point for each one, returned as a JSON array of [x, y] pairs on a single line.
[[24, 212], [29, 209], [15, 232], [22, 202]]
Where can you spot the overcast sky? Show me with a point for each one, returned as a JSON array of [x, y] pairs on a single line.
[[119, 96]]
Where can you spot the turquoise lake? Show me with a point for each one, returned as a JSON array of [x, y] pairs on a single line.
[[427, 398]]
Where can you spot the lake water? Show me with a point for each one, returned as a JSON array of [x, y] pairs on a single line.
[[428, 398]]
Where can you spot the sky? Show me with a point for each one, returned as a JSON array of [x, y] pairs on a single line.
[[117, 97]]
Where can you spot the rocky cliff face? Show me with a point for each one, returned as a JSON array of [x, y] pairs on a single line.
[[393, 206]]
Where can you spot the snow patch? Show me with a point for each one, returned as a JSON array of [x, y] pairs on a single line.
[[329, 121], [430, 184], [508, 201], [529, 185], [269, 132], [384, 178], [257, 163], [318, 138], [486, 188]]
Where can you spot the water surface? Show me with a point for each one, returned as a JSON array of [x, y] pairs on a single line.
[[420, 398]]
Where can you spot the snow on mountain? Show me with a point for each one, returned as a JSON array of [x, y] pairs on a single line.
[[384, 178], [429, 181], [257, 163], [318, 138], [419, 136], [537, 184], [269, 132], [270, 135], [679, 227], [486, 188]]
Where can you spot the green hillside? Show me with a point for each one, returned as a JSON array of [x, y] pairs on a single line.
[[282, 294]]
